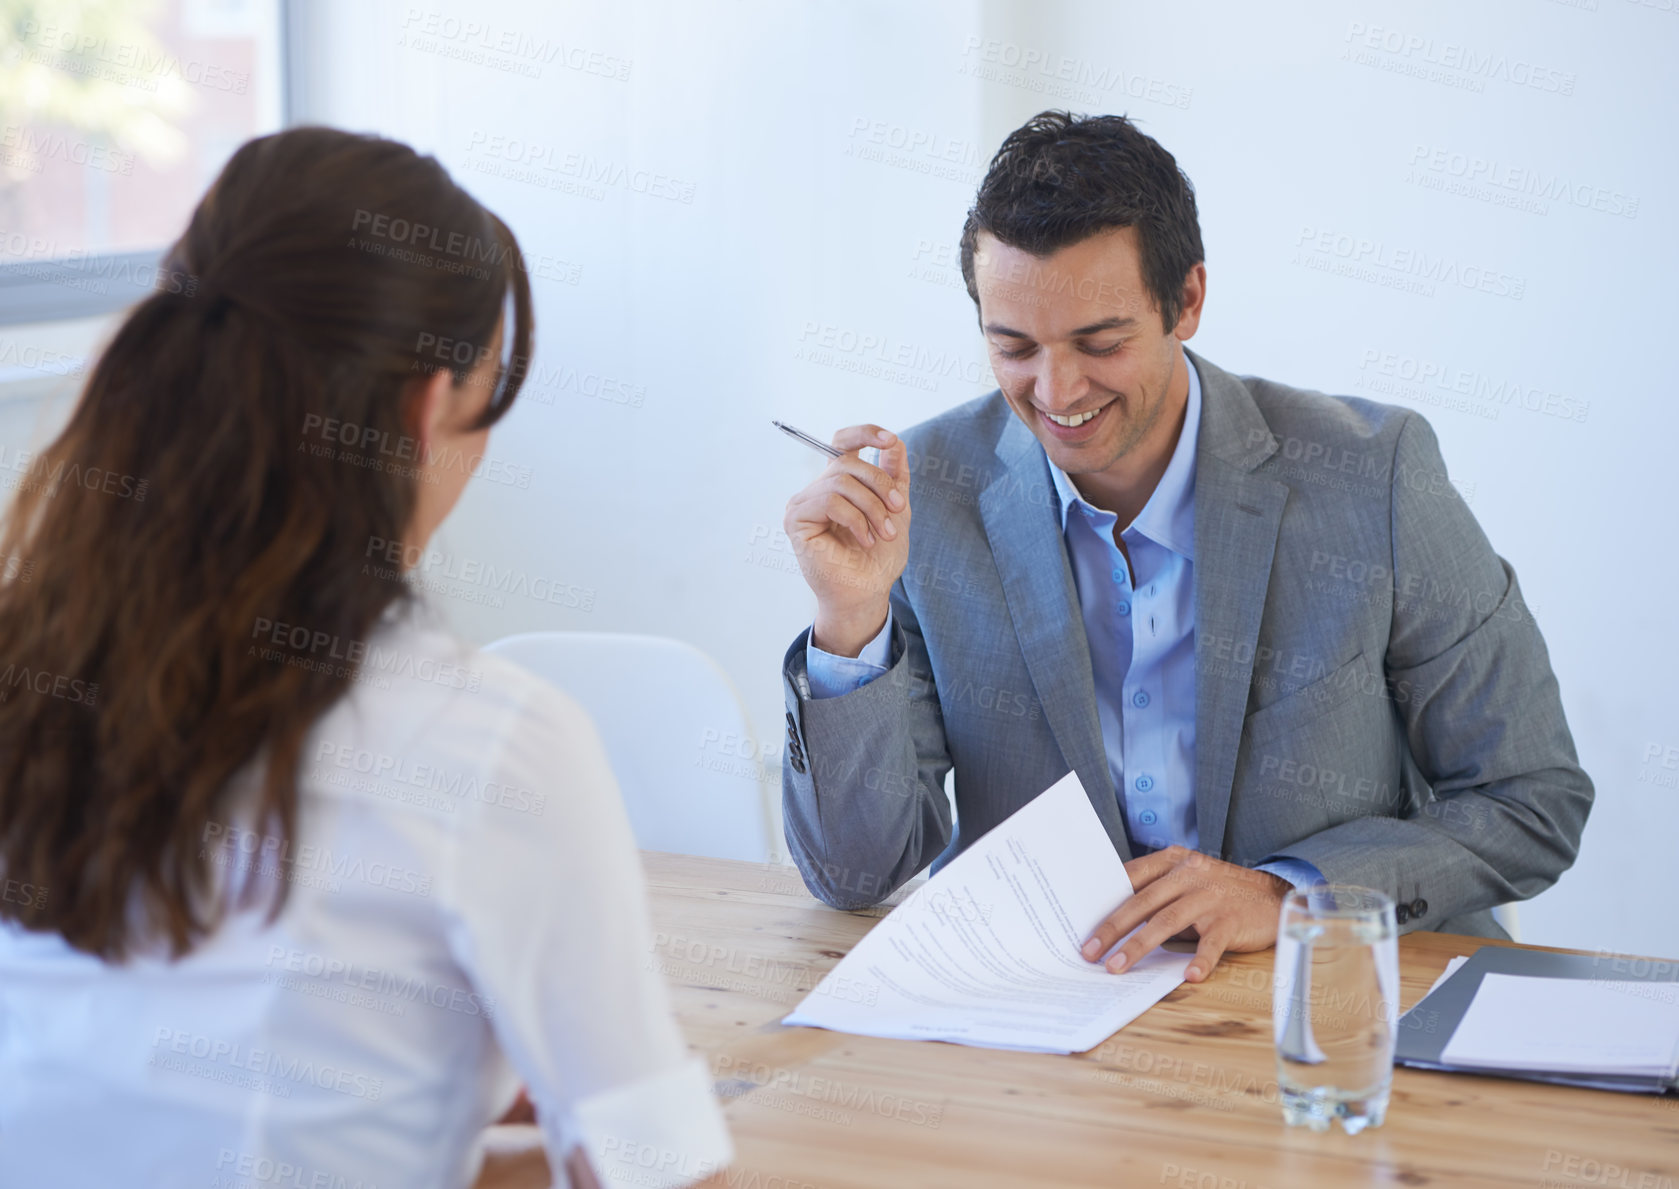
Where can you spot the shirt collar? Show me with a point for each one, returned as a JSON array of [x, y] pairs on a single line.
[[1169, 516]]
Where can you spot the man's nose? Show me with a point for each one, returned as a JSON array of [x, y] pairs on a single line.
[[1060, 383]]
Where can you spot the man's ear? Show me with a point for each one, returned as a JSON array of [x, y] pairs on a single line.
[[1194, 297], [426, 404]]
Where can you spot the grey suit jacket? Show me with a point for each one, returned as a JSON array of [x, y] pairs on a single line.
[[1372, 694]]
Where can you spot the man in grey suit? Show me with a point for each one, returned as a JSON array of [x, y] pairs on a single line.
[[1259, 622]]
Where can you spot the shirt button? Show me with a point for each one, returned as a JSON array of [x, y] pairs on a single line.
[[1148, 817], [1124, 608], [1119, 575], [1144, 783], [1139, 699]]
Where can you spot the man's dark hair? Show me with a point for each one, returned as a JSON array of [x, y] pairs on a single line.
[[1061, 178]]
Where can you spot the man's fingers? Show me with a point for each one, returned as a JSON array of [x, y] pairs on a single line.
[[1139, 908], [1207, 955], [859, 437], [1151, 867], [1162, 926], [867, 502], [894, 459], [872, 477], [846, 514]]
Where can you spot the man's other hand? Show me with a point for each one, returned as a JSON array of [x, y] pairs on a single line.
[[1186, 895]]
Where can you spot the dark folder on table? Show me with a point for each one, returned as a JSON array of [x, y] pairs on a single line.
[[1426, 1030]]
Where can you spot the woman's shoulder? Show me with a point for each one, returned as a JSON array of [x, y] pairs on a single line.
[[426, 702], [418, 655]]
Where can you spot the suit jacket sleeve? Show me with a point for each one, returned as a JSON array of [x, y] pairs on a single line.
[[865, 806], [1471, 679]]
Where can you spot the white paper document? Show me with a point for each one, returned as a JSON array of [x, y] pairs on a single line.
[[1451, 969], [986, 952], [1569, 1025]]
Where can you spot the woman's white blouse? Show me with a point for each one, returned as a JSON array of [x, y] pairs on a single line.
[[465, 912]]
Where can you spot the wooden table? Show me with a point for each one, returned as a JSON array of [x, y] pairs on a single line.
[[1185, 1095]]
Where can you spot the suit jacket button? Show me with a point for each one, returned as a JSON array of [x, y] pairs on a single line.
[[792, 732], [1419, 907], [798, 764], [1402, 913], [790, 723]]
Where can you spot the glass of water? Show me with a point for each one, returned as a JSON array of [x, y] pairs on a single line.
[[1335, 1006]]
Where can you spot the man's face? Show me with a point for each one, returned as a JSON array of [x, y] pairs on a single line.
[[1076, 333]]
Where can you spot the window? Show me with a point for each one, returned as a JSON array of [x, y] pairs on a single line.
[[114, 117]]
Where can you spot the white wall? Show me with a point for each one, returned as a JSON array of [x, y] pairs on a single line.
[[821, 158]]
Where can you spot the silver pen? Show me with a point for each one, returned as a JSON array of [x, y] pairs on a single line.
[[802, 436]]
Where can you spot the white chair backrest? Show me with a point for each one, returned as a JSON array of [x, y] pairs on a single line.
[[692, 777]]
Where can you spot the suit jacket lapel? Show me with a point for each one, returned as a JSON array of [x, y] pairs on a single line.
[[1022, 521], [1237, 515]]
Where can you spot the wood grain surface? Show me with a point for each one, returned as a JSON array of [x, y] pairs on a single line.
[[1185, 1095]]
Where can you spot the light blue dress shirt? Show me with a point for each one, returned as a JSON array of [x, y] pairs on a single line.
[[1140, 624]]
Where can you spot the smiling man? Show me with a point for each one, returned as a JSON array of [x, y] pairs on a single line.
[[1258, 621]]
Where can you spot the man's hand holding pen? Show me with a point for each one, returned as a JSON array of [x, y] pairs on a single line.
[[850, 531]]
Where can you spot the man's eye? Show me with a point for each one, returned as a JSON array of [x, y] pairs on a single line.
[[1018, 353], [1094, 350]]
